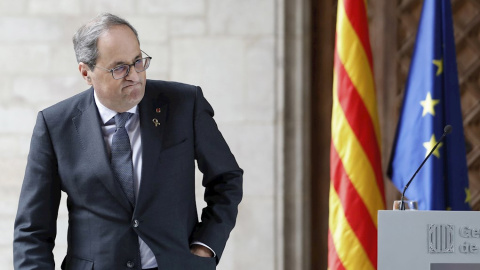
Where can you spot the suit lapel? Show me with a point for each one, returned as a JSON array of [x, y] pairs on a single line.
[[90, 135], [153, 124]]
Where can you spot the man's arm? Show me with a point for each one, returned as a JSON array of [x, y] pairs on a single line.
[[222, 179], [35, 224]]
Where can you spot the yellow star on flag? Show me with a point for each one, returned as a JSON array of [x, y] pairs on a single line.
[[439, 64], [429, 146], [468, 198], [428, 104]]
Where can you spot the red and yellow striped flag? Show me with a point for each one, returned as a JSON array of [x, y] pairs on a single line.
[[356, 189]]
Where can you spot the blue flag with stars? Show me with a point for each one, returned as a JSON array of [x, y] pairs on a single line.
[[432, 101]]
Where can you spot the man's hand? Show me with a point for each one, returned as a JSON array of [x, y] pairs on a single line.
[[201, 251]]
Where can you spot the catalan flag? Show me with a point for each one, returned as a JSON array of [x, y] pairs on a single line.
[[431, 101], [356, 189]]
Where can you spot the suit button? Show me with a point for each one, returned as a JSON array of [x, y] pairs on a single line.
[[136, 223], [130, 264]]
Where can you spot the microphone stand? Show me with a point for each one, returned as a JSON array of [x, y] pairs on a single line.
[[446, 130]]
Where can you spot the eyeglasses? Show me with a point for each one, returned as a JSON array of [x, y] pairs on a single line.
[[122, 71]]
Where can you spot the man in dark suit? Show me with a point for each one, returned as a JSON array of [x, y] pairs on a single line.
[[124, 152]]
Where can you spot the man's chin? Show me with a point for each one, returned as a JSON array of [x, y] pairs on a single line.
[[136, 95]]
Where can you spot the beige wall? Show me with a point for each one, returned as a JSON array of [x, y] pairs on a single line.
[[231, 48]]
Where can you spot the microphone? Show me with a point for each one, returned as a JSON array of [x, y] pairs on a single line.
[[446, 130]]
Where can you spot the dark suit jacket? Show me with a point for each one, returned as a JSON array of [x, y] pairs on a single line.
[[68, 153]]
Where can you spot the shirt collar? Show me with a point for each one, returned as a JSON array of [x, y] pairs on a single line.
[[105, 113]]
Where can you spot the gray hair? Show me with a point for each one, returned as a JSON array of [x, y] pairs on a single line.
[[86, 38]]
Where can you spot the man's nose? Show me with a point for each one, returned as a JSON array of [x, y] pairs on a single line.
[[132, 75]]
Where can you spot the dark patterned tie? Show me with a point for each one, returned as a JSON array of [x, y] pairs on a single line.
[[122, 157]]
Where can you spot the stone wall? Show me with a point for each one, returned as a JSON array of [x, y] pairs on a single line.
[[228, 47]]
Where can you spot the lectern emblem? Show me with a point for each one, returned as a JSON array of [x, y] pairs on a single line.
[[440, 238]]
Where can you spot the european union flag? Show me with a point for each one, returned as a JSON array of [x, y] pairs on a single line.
[[432, 101]]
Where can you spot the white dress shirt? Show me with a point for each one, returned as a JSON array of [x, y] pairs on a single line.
[[133, 129]]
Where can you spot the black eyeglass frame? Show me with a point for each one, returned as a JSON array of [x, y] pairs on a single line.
[[148, 58]]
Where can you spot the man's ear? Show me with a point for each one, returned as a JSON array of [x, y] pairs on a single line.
[[85, 71]]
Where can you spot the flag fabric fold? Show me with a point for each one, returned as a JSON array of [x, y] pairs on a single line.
[[356, 184], [432, 101]]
